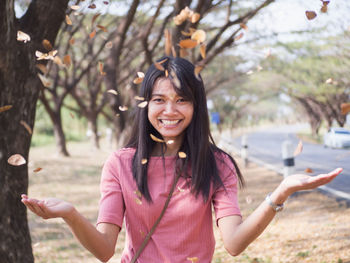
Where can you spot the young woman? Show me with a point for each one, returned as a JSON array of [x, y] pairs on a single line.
[[171, 142]]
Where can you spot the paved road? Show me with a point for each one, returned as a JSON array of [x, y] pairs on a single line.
[[266, 147]]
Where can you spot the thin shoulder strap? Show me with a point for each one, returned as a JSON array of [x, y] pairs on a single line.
[[150, 233]]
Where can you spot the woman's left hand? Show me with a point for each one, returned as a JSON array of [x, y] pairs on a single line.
[[297, 182]]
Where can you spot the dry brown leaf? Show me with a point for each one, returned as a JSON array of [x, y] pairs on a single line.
[[68, 20], [72, 41], [166, 73], [104, 29], [244, 26], [123, 108], [144, 161], [100, 67], [94, 18], [45, 81], [5, 108], [47, 44], [310, 14], [26, 126], [170, 142], [192, 259], [92, 34], [159, 66], [186, 34], [112, 91], [137, 80], [308, 170], [329, 81], [138, 201], [92, 6], [139, 98], [168, 42], [42, 68], [188, 43], [197, 70], [324, 7], [154, 138], [345, 108], [71, 115], [195, 17], [182, 155], [202, 50], [21, 36], [240, 35], [299, 148], [142, 104], [109, 44], [37, 169], [175, 79], [180, 189], [138, 194], [57, 60], [16, 160], [106, 2], [199, 36], [249, 72], [67, 61]]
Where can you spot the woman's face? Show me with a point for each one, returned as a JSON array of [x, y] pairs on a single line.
[[169, 113]]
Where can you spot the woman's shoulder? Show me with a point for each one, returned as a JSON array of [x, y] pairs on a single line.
[[123, 155]]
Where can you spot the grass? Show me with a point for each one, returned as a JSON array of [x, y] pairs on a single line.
[[311, 228]]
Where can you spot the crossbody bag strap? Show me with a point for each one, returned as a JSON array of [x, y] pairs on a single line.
[[150, 233]]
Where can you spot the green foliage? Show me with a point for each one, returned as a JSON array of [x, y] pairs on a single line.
[[303, 254]]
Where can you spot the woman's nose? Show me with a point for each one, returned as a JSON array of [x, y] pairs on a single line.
[[170, 107]]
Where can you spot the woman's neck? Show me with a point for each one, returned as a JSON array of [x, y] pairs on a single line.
[[171, 149]]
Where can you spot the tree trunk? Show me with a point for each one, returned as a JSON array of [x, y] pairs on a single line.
[[20, 88], [59, 135], [95, 138]]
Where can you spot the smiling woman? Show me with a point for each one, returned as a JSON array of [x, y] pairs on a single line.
[[165, 182]]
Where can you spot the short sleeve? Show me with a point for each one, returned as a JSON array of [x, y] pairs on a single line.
[[111, 206], [225, 199]]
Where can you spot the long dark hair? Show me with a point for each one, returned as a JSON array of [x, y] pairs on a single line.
[[198, 143]]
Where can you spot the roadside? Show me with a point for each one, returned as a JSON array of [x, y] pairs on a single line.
[[312, 228]]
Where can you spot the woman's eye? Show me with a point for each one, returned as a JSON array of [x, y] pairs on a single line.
[[157, 100], [181, 100]]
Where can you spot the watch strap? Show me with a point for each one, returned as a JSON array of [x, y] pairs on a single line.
[[275, 207]]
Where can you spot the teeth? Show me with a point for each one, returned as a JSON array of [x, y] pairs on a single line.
[[168, 122]]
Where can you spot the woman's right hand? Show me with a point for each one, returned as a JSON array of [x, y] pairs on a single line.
[[48, 208]]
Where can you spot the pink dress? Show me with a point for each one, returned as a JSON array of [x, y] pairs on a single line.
[[186, 229]]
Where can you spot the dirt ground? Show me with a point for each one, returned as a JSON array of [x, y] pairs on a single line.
[[312, 227]]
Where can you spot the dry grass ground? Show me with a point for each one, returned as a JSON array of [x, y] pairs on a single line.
[[312, 228]]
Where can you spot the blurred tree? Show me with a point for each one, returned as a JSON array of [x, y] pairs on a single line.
[[20, 88]]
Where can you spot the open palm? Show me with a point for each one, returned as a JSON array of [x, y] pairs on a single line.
[[48, 208]]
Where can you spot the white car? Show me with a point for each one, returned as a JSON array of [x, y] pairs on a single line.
[[337, 138]]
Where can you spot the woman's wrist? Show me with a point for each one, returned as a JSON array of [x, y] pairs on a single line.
[[280, 195], [70, 215]]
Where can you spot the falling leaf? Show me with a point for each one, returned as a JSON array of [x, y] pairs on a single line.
[[72, 41], [188, 43], [159, 66], [142, 104], [26, 126], [308, 170], [45, 81], [138, 201], [16, 160], [166, 73], [68, 20], [240, 35], [92, 6], [329, 81], [195, 17], [168, 42], [202, 50], [199, 36], [21, 36], [48, 56], [298, 149], [197, 70], [37, 169], [324, 7], [250, 72], [259, 68], [170, 142], [192, 259], [139, 98], [182, 155], [71, 115], [100, 66], [42, 68], [186, 34], [92, 34], [144, 161], [67, 61], [244, 26], [104, 29], [345, 108], [123, 108], [47, 45], [180, 189], [109, 44], [112, 91], [94, 18], [140, 77], [57, 60], [248, 200], [5, 108], [310, 14], [106, 2], [154, 138], [74, 7]]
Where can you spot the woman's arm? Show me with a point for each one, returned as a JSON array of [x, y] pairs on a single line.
[[238, 234], [99, 241]]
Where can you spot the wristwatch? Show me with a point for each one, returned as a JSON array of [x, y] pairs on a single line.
[[276, 207]]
